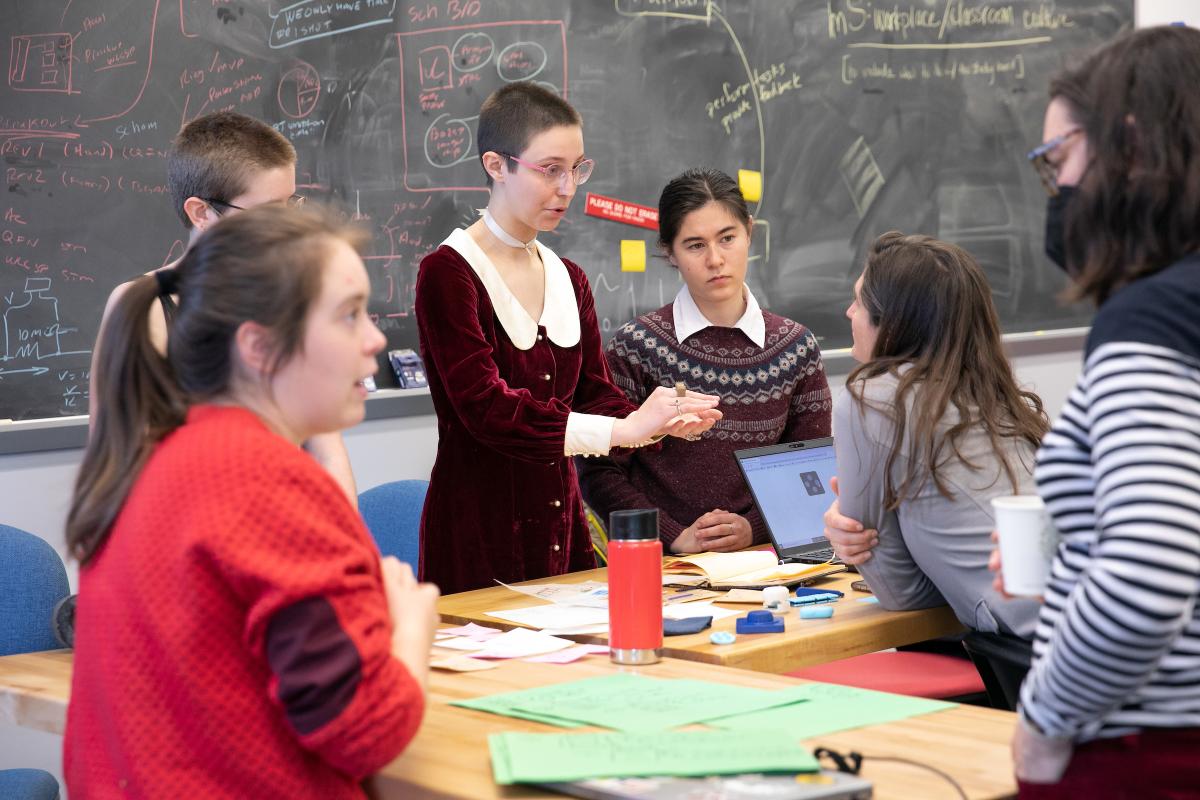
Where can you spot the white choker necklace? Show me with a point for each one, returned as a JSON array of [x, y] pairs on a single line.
[[504, 235]]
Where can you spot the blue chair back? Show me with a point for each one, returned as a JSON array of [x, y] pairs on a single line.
[[32, 581], [392, 512], [28, 784]]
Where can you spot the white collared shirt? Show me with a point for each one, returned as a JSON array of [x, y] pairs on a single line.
[[690, 320], [560, 310], [587, 434]]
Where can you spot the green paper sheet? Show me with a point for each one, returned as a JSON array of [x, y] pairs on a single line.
[[635, 703], [556, 757], [501, 705], [832, 708]]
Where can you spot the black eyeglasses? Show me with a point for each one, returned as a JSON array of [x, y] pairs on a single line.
[[294, 201], [1038, 157]]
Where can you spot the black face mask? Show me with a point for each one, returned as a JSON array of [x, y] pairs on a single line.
[[1056, 213]]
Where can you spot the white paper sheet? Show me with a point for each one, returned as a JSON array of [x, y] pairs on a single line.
[[593, 594], [578, 630], [685, 610], [552, 616], [520, 642], [570, 654]]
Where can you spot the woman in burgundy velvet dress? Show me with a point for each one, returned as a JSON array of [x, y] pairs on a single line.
[[513, 354]]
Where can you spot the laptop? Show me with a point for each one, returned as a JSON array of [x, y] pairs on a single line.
[[791, 486]]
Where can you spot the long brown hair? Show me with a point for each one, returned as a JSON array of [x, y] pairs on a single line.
[[1139, 200], [263, 265], [939, 335]]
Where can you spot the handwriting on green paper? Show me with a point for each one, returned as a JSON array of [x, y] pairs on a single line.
[[637, 703], [501, 705], [831, 708], [552, 757]]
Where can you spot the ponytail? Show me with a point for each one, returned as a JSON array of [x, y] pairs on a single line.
[[263, 265], [139, 403]]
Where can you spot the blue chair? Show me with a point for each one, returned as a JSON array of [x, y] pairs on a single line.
[[392, 512], [28, 784], [32, 582]]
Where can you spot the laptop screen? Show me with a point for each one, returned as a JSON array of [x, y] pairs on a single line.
[[791, 486]]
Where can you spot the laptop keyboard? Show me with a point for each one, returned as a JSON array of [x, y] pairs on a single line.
[[819, 555]]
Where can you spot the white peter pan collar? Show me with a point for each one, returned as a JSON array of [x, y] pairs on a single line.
[[560, 309], [690, 320]]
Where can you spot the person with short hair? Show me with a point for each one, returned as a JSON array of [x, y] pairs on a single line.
[[513, 355], [219, 164], [238, 634], [931, 427], [715, 338]]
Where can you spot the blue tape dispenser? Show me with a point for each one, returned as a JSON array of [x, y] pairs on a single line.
[[760, 621]]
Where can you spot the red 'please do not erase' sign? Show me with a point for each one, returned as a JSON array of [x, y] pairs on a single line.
[[620, 211]]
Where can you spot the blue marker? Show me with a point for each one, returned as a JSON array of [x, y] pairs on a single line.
[[809, 599]]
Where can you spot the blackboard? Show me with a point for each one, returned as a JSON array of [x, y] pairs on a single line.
[[861, 116]]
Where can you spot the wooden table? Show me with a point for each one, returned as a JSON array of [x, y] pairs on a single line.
[[34, 689], [855, 628], [449, 757]]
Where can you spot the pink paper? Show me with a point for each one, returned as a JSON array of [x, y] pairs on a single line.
[[570, 654], [479, 633]]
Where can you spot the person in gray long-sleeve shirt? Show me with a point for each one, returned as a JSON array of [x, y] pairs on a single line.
[[910, 466], [932, 549]]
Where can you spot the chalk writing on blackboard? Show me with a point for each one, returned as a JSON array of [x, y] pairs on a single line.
[[41, 63], [443, 70], [33, 330], [854, 117]]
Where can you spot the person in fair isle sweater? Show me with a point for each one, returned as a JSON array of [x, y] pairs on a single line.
[[716, 339]]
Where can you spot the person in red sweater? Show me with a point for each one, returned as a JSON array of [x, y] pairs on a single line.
[[716, 339], [237, 633]]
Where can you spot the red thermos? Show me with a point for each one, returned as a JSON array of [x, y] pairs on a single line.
[[635, 626]]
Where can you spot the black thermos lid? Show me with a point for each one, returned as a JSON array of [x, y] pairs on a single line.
[[638, 523]]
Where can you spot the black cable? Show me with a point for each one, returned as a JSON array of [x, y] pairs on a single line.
[[852, 763], [950, 780]]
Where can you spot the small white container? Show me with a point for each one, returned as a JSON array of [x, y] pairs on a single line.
[[775, 598]]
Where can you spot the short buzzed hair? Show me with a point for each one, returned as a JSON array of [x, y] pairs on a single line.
[[215, 156], [514, 114]]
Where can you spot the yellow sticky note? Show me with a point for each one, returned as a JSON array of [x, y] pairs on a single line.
[[750, 182], [633, 255]]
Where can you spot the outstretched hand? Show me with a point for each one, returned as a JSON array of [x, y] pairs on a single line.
[[665, 412]]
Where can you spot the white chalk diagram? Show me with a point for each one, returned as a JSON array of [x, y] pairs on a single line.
[[33, 330]]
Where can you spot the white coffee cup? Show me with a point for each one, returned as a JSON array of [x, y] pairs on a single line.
[[1027, 543]]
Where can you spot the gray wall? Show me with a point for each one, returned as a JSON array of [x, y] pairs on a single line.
[[35, 487]]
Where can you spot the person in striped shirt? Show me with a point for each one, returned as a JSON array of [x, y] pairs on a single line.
[[1111, 706]]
